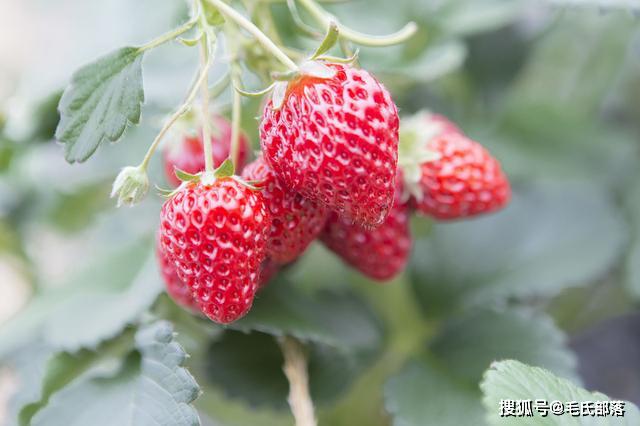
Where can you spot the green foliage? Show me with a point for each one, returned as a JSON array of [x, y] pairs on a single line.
[[517, 381], [538, 246], [458, 356], [343, 337], [101, 100], [81, 313], [561, 117], [149, 387]]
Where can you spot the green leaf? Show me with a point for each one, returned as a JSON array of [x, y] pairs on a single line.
[[551, 237], [340, 332], [564, 74], [335, 319], [330, 39], [102, 99], [150, 388], [62, 367], [467, 17], [421, 393], [632, 265], [459, 354], [94, 306], [498, 334], [517, 381], [231, 363]]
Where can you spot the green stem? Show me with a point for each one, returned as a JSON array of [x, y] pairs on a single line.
[[183, 108], [236, 115], [324, 18], [204, 92], [169, 36], [250, 27]]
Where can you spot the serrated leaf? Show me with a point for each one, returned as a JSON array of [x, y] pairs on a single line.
[[551, 237], [93, 306], [515, 380], [421, 393], [335, 319], [458, 355], [231, 364], [63, 367], [103, 98], [340, 332], [151, 387], [493, 334]]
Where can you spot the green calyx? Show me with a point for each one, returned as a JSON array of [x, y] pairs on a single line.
[[413, 151]]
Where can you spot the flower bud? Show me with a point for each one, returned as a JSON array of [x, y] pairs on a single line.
[[130, 186]]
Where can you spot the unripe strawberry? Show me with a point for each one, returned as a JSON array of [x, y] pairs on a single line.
[[296, 221], [216, 236], [379, 253], [457, 178], [335, 140], [187, 154]]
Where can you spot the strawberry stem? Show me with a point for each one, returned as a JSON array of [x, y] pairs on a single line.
[[252, 29], [179, 112], [236, 115], [204, 90], [324, 18]]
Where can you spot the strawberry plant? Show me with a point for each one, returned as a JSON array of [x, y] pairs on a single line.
[[326, 226]]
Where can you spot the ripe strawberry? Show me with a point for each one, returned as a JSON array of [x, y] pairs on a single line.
[[268, 269], [335, 140], [176, 288], [188, 154], [463, 180], [216, 235], [296, 221], [380, 253]]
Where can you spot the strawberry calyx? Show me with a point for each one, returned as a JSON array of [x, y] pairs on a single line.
[[225, 170], [415, 133]]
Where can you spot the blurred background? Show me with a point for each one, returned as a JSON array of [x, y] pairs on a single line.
[[552, 88]]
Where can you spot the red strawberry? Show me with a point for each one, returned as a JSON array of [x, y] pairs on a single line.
[[216, 235], [176, 288], [380, 253], [462, 180], [268, 269], [188, 153], [335, 140], [296, 221]]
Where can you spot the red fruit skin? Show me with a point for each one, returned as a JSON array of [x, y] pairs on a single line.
[[380, 253], [296, 220], [216, 237], [176, 288], [336, 141], [188, 154], [268, 270], [466, 181]]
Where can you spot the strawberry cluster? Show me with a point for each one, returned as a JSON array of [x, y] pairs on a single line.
[[330, 169]]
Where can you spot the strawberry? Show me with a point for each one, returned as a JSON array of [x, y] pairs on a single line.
[[268, 270], [335, 140], [379, 253], [187, 154], [176, 288], [461, 179], [296, 221], [216, 235]]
